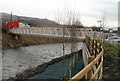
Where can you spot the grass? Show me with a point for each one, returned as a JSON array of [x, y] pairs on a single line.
[[111, 58], [110, 50]]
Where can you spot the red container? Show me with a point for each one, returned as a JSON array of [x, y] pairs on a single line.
[[13, 24]]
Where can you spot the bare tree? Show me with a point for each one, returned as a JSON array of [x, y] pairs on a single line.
[[71, 20], [103, 19]]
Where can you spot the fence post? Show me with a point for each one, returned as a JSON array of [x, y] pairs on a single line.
[[89, 74]]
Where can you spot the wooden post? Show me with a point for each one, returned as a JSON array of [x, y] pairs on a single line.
[[89, 74], [101, 71], [95, 48]]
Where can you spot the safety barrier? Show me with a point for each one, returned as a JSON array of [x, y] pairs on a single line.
[[93, 62]]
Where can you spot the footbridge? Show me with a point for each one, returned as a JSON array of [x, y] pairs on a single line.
[[49, 32], [56, 32]]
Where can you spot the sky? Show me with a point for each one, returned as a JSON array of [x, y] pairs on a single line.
[[90, 11]]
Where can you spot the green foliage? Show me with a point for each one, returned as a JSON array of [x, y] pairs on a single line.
[[110, 50], [111, 69]]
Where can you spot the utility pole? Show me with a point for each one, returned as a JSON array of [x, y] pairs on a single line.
[[11, 17], [100, 24], [11, 20]]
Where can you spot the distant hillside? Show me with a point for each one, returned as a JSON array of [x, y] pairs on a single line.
[[29, 20]]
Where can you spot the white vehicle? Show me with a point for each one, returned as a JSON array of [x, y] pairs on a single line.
[[111, 35], [22, 25], [114, 39]]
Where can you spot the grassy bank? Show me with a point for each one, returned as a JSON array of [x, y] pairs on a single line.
[[27, 40], [111, 61]]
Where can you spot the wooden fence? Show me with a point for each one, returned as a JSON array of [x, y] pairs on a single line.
[[94, 68]]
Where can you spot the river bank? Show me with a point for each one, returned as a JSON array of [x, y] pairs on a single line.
[[27, 40]]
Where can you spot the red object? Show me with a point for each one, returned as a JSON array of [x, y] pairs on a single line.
[[13, 24]]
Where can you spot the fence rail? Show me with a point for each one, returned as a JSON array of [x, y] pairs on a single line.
[[94, 67]]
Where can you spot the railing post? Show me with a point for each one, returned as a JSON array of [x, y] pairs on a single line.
[[89, 74], [101, 71]]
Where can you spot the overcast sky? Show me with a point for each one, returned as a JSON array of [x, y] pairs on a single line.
[[90, 11]]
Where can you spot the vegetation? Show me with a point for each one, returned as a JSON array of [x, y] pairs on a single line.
[[110, 50], [111, 59]]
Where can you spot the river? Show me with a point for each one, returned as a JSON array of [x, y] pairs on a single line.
[[20, 59]]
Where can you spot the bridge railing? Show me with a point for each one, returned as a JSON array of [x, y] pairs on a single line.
[[93, 61], [47, 31]]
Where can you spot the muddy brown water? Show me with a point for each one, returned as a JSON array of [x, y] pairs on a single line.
[[20, 59]]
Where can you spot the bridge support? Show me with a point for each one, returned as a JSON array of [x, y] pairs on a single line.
[[15, 36]]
